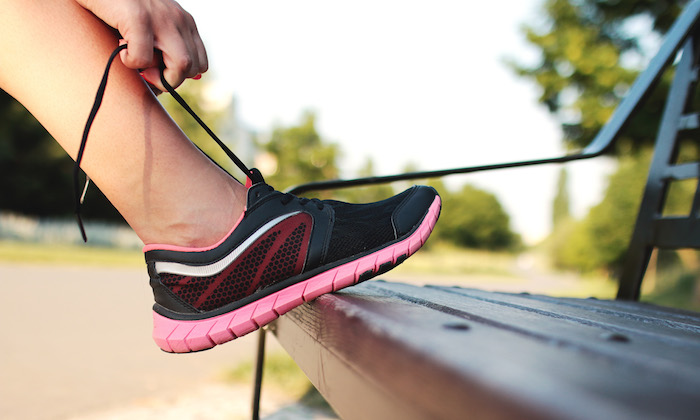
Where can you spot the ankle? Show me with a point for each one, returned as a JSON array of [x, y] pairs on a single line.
[[201, 224]]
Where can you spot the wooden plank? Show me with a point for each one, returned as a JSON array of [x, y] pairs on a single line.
[[586, 311], [384, 350], [637, 309], [361, 364], [666, 347]]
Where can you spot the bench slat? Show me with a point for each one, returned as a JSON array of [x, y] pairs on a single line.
[[660, 346], [633, 320], [387, 350], [661, 314]]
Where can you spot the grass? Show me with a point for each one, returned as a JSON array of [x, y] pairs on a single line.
[[37, 253], [679, 292], [504, 271], [281, 374], [438, 264], [444, 259]]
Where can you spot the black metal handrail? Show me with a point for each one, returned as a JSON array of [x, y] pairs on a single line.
[[601, 144], [638, 254]]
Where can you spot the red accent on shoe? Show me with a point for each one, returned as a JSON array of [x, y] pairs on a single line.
[[277, 255], [185, 336]]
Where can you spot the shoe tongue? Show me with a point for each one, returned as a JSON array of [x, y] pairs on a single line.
[[257, 193], [254, 177]]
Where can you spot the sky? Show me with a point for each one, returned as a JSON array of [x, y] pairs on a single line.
[[400, 82]]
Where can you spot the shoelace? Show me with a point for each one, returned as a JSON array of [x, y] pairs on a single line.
[[253, 174], [287, 198]]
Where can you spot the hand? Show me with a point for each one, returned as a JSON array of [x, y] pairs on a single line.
[[149, 25]]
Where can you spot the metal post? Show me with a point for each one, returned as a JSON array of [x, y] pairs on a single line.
[[645, 235], [259, 363]]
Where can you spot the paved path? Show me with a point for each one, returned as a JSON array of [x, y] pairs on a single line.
[[76, 341]]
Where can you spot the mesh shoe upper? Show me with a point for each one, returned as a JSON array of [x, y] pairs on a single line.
[[360, 227], [281, 239], [278, 254]]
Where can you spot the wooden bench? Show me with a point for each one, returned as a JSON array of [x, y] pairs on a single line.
[[384, 350], [394, 351]]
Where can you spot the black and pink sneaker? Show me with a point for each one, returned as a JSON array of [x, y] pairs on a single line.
[[284, 251]]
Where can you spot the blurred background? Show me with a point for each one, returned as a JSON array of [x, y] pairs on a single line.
[[312, 90]]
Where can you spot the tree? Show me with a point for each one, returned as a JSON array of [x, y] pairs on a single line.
[[588, 61], [300, 155], [601, 239], [474, 218], [590, 55], [560, 206]]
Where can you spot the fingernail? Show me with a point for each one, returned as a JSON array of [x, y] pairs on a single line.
[[197, 77]]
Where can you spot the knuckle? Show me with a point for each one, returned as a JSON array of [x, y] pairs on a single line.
[[181, 17], [141, 17], [183, 62]]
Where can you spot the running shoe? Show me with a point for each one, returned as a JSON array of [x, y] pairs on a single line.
[[284, 251]]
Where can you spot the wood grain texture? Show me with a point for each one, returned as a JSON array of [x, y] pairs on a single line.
[[389, 350]]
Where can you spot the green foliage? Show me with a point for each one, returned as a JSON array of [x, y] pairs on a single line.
[[474, 218], [560, 207], [281, 373], [571, 247], [300, 155], [601, 239], [470, 218], [590, 56], [679, 292], [585, 68]]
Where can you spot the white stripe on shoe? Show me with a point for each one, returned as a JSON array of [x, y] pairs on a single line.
[[219, 266]]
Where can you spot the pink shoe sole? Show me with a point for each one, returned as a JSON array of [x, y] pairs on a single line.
[[175, 336]]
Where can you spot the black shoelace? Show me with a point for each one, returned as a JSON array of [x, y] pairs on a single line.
[[288, 198], [253, 174]]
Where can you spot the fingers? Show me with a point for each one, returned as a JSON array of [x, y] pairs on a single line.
[[139, 36], [183, 51], [150, 26], [182, 60]]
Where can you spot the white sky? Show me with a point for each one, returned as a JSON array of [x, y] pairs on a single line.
[[400, 81]]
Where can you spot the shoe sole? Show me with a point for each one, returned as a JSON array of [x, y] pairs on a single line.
[[176, 336]]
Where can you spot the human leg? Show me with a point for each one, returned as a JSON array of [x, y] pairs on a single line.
[[284, 250], [53, 54]]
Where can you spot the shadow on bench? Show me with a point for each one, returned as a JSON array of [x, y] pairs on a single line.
[[394, 351]]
